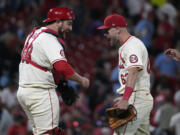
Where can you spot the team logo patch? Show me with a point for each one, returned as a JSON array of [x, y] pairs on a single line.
[[133, 58], [62, 53]]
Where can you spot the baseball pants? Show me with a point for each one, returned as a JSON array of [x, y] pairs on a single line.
[[143, 102], [41, 106]]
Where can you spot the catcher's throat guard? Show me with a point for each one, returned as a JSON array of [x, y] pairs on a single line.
[[117, 117]]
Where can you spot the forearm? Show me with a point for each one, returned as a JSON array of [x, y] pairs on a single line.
[[62, 68], [76, 77], [132, 75], [131, 81], [173, 53], [178, 56]]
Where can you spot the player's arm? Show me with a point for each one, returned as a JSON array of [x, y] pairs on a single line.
[[131, 81], [122, 102], [173, 53], [69, 73], [80, 79]]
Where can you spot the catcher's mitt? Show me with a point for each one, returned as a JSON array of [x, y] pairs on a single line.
[[117, 117], [67, 92]]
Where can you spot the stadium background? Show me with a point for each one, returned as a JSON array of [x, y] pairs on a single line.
[[155, 22]]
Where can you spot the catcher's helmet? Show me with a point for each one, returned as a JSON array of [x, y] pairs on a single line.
[[114, 20], [60, 13]]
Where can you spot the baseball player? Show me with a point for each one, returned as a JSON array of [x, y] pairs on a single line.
[[43, 52], [134, 69], [173, 53]]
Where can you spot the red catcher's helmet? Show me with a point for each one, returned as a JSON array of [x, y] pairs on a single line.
[[59, 13]]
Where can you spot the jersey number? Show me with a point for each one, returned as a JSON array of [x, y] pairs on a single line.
[[27, 50], [123, 78], [26, 54]]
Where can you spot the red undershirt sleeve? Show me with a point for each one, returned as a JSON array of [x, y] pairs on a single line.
[[64, 68]]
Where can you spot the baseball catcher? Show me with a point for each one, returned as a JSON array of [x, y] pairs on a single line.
[[43, 52], [118, 117]]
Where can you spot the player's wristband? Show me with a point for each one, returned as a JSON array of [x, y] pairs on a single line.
[[127, 93]]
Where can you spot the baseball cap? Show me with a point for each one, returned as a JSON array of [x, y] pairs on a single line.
[[114, 20]]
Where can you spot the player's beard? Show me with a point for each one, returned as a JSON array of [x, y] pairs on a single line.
[[62, 33], [114, 41]]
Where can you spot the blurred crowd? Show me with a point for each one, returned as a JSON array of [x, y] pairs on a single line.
[[155, 22]]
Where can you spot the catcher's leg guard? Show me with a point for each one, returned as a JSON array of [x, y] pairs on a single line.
[[58, 131], [55, 131]]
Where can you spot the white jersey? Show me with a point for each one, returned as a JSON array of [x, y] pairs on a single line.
[[46, 50], [134, 54]]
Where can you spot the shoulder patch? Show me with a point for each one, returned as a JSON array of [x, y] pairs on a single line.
[[133, 58]]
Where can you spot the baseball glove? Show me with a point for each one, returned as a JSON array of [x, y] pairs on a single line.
[[117, 117], [67, 92]]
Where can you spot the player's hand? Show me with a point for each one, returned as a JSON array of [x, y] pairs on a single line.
[[173, 53], [120, 103], [85, 82]]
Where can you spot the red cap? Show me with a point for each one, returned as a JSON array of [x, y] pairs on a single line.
[[113, 20], [60, 13]]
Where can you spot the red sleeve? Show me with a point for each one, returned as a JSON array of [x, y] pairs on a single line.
[[63, 68], [12, 130]]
